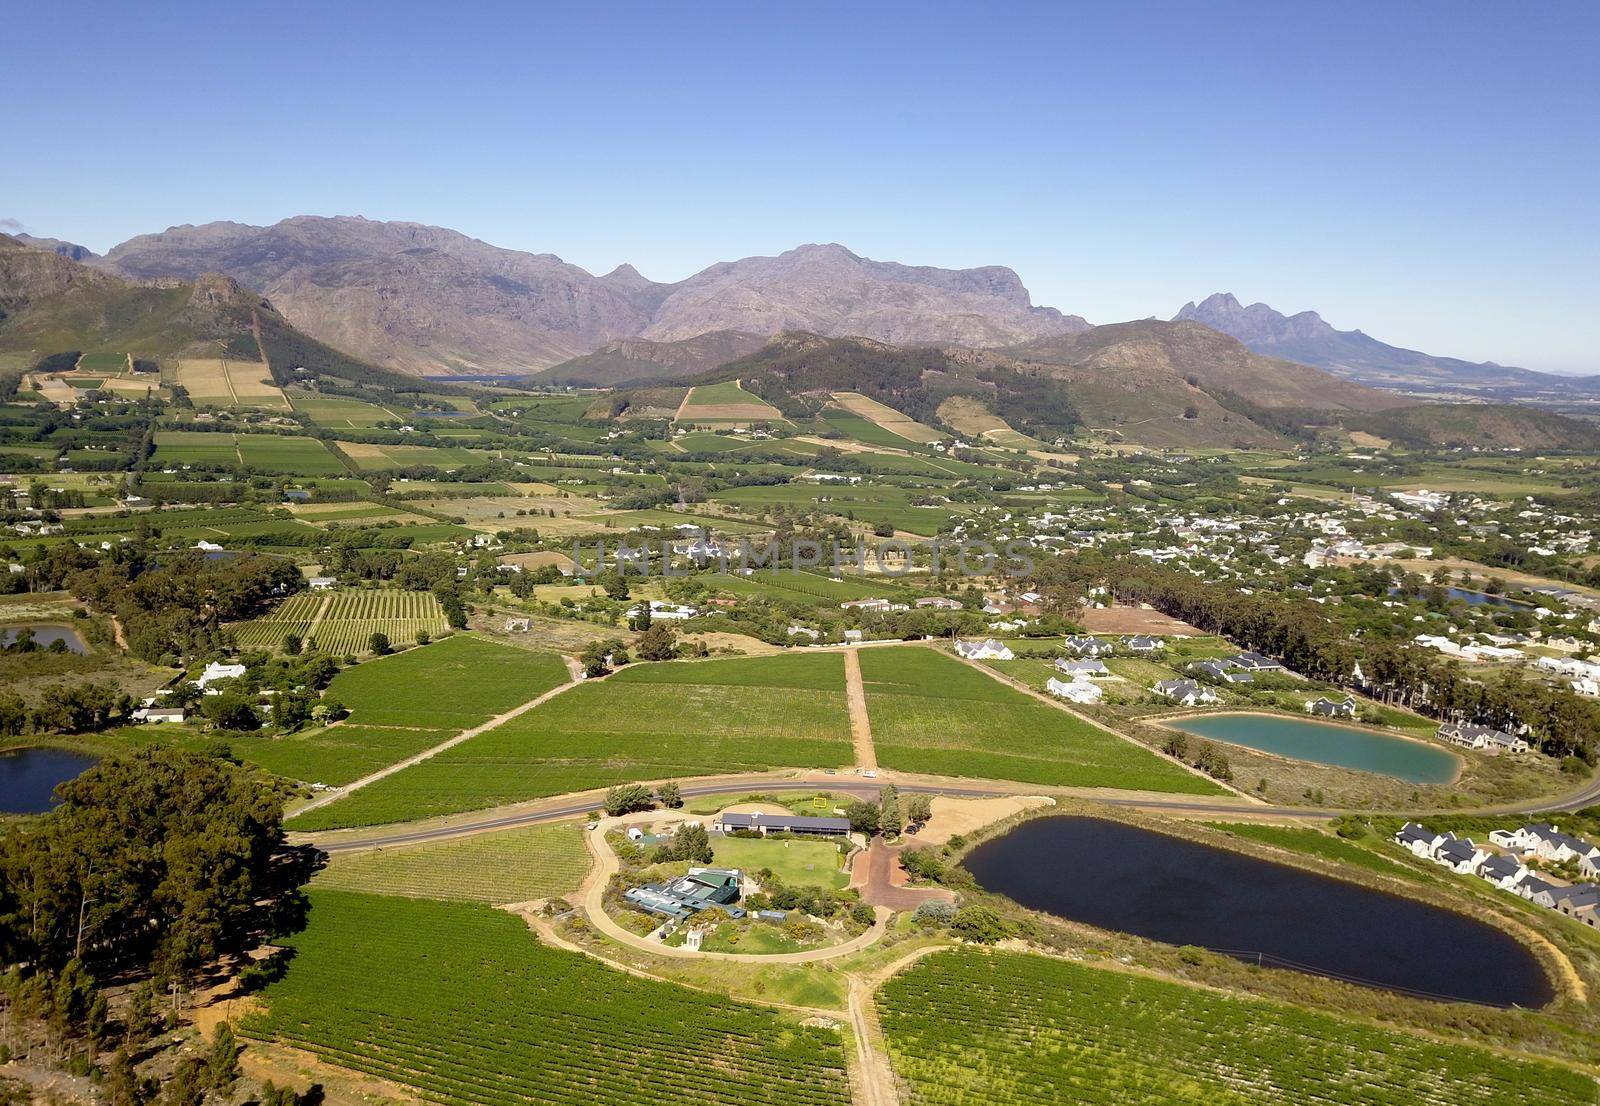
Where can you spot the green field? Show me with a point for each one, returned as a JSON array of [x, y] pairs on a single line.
[[341, 413], [113, 364], [510, 866], [932, 713], [648, 721], [999, 1028], [336, 755], [461, 1003], [405, 703], [267, 452], [795, 862], [343, 622], [453, 684]]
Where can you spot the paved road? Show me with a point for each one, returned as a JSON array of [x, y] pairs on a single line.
[[561, 809]]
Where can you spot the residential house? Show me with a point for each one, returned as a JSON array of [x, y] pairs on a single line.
[[1185, 692], [986, 650], [1419, 839], [1075, 691], [1578, 900], [321, 583], [1255, 662], [1459, 854], [1086, 669], [1221, 672], [1502, 871], [1142, 643], [687, 895], [939, 602], [159, 714], [1086, 646], [1468, 735], [1332, 708]]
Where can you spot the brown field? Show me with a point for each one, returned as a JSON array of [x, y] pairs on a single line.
[[539, 560], [888, 418], [1368, 441], [970, 417], [1135, 620], [222, 383]]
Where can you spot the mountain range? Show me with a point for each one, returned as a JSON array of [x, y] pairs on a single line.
[[430, 301], [1307, 338], [1180, 384], [435, 302]]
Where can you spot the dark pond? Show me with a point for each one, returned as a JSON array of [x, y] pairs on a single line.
[[28, 777], [1479, 599], [1120, 877], [44, 635]]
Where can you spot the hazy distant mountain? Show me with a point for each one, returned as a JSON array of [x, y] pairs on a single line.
[[830, 291], [70, 250], [430, 300], [1310, 340]]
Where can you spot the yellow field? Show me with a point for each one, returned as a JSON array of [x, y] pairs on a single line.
[[218, 383], [888, 418]]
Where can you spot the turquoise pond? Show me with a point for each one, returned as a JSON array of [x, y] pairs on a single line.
[[1327, 743]]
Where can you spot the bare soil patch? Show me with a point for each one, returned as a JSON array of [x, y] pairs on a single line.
[[962, 816], [1135, 620]]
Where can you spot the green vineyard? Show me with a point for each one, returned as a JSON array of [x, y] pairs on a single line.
[[343, 622], [970, 1027], [461, 1003]]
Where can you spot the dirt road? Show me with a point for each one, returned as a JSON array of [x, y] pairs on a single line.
[[860, 724]]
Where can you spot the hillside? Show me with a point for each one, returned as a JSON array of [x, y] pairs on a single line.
[[797, 373], [50, 304], [429, 300], [1353, 355], [1183, 384], [1476, 425], [637, 360]]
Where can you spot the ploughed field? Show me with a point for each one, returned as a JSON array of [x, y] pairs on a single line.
[[645, 722], [460, 1003], [966, 1027], [932, 713]]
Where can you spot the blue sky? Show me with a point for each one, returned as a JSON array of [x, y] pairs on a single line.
[[1429, 172]]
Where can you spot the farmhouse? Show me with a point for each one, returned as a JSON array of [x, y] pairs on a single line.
[[159, 714], [1142, 643], [1459, 854], [939, 602], [781, 823], [1074, 691], [986, 650], [701, 889], [1254, 662], [1185, 691], [1332, 708], [216, 671]]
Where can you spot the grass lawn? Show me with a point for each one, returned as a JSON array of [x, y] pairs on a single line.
[[511, 866], [648, 721], [966, 1026], [932, 713], [460, 1003], [795, 862]]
